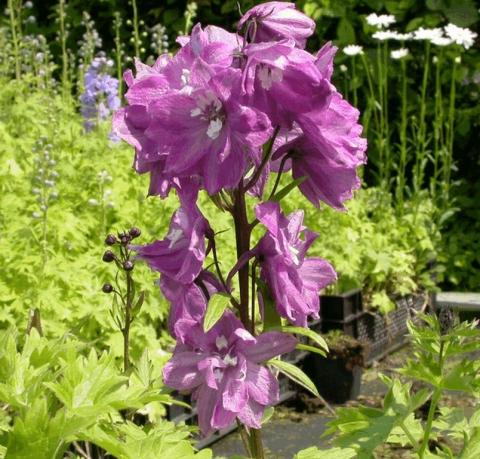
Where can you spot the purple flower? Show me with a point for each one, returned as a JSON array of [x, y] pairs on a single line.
[[209, 133], [328, 153], [181, 254], [188, 302], [275, 21], [204, 53], [294, 280], [222, 368], [100, 96], [283, 81]]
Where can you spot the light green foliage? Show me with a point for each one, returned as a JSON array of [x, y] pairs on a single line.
[[66, 285], [372, 246], [458, 374], [332, 453], [51, 395], [440, 359]]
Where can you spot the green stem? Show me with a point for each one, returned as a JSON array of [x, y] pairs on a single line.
[[386, 134], [118, 53], [245, 438], [256, 445], [433, 405], [447, 166], [136, 35], [408, 434], [63, 44], [421, 141], [403, 138], [354, 83], [127, 324], [372, 97], [15, 38], [381, 132]]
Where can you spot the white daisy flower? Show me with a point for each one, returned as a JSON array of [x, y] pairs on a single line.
[[383, 35], [461, 36], [380, 21], [428, 34], [353, 50], [399, 53], [442, 41], [401, 36], [458, 60]]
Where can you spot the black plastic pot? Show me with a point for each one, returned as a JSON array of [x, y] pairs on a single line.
[[341, 307], [335, 378], [382, 334]]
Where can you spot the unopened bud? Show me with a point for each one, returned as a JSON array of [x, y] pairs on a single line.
[[108, 256]]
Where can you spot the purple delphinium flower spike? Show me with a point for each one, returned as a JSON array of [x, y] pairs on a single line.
[[277, 20], [294, 280], [223, 370], [181, 254], [100, 96]]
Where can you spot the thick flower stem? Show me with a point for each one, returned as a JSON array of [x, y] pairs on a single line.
[[242, 237], [433, 405], [256, 444]]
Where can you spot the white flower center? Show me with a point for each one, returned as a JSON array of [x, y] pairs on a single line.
[[174, 236], [221, 342], [210, 108], [214, 128], [268, 75], [218, 374], [229, 360], [294, 252]]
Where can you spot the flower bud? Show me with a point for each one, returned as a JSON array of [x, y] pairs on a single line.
[[107, 288], [128, 265], [135, 232], [108, 256], [110, 239]]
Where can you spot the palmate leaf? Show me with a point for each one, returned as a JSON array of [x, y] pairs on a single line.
[[364, 429], [89, 384], [129, 441], [37, 435]]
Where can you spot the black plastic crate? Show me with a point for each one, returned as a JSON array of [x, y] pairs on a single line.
[[341, 307]]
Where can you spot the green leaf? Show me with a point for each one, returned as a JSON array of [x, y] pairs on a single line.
[[295, 374], [345, 32], [332, 453], [315, 337], [271, 317], [279, 195], [215, 309], [306, 347], [267, 414], [471, 450]]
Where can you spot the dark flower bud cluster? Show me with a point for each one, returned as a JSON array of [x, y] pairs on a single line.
[[120, 252], [45, 177], [446, 319]]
